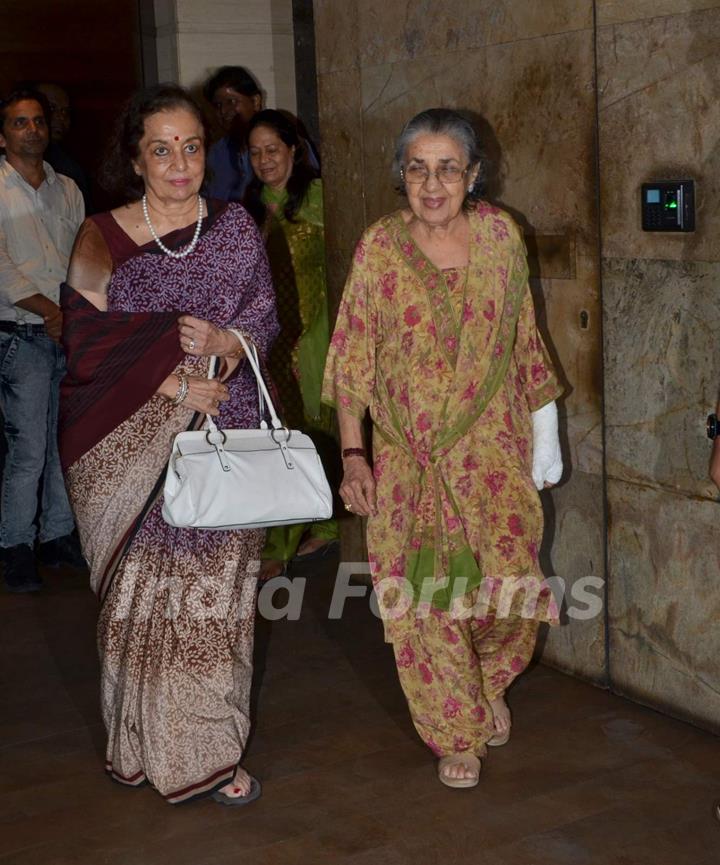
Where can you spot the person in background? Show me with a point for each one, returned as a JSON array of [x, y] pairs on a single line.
[[236, 97], [57, 154], [436, 335], [153, 288], [40, 213], [285, 198]]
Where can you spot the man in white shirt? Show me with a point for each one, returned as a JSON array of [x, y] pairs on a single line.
[[40, 213]]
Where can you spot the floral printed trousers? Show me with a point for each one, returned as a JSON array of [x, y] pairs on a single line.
[[450, 669]]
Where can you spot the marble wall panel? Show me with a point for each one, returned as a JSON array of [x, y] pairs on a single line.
[[662, 370], [573, 551], [620, 11], [336, 43], [413, 29], [343, 171], [538, 105], [659, 97], [664, 604]]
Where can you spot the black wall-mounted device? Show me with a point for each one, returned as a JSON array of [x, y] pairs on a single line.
[[668, 205]]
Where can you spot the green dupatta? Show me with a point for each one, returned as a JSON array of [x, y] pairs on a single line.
[[305, 239]]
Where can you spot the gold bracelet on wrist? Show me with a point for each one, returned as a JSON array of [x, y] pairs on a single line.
[[182, 390]]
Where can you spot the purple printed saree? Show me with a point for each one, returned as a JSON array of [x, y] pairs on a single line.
[[176, 623]]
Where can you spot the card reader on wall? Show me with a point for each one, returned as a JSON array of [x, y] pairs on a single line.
[[668, 205]]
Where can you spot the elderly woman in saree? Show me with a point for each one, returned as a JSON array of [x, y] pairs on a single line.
[[153, 287], [285, 198], [436, 335]]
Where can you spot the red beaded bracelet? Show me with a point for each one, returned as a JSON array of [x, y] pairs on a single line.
[[353, 452]]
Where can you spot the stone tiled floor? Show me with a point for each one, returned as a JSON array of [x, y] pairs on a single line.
[[588, 779]]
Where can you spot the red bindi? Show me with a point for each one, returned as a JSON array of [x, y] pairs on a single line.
[[177, 138]]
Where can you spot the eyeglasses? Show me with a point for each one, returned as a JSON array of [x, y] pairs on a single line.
[[445, 174]]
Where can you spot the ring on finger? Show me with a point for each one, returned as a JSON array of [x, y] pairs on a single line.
[[348, 507], [191, 345]]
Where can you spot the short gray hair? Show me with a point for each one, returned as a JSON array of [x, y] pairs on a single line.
[[443, 121]]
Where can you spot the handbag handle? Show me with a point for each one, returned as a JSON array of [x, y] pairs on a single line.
[[263, 394]]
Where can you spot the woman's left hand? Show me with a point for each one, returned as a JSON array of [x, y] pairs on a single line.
[[202, 339]]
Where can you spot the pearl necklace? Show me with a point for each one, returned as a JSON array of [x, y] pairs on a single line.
[[193, 243]]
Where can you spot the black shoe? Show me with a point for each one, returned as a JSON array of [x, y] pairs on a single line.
[[20, 569], [61, 551]]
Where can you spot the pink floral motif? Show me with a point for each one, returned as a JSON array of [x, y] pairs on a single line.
[[500, 678], [398, 494], [499, 349], [460, 744], [388, 284], [489, 311], [452, 708], [517, 665], [538, 373], [360, 252], [412, 316], [468, 312], [500, 229], [397, 569], [345, 401], [532, 549], [515, 525], [397, 520], [478, 714], [495, 482], [357, 324], [450, 635], [425, 673], [451, 344], [507, 420], [339, 341], [505, 545], [423, 422], [464, 485], [470, 464], [407, 342], [453, 524], [505, 440], [406, 656], [470, 391]]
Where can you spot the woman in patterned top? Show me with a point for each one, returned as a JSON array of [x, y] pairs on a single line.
[[286, 200], [153, 287], [436, 336]]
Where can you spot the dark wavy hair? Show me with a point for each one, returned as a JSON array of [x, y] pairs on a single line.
[[117, 174], [19, 95], [285, 126], [236, 77], [454, 124]]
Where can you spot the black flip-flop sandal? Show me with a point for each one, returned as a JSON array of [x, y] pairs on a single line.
[[254, 793]]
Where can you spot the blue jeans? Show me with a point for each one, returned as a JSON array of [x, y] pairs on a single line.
[[31, 367]]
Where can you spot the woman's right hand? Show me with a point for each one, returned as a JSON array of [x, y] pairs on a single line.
[[204, 394], [357, 489]]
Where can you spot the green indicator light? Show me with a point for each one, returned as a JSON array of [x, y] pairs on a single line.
[[671, 205]]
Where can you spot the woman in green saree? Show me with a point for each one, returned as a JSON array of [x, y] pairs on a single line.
[[285, 199]]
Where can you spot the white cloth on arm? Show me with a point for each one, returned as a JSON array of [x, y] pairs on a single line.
[[547, 462]]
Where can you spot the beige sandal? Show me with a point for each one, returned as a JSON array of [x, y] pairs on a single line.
[[470, 761]]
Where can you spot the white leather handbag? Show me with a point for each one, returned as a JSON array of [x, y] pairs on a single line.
[[246, 478]]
